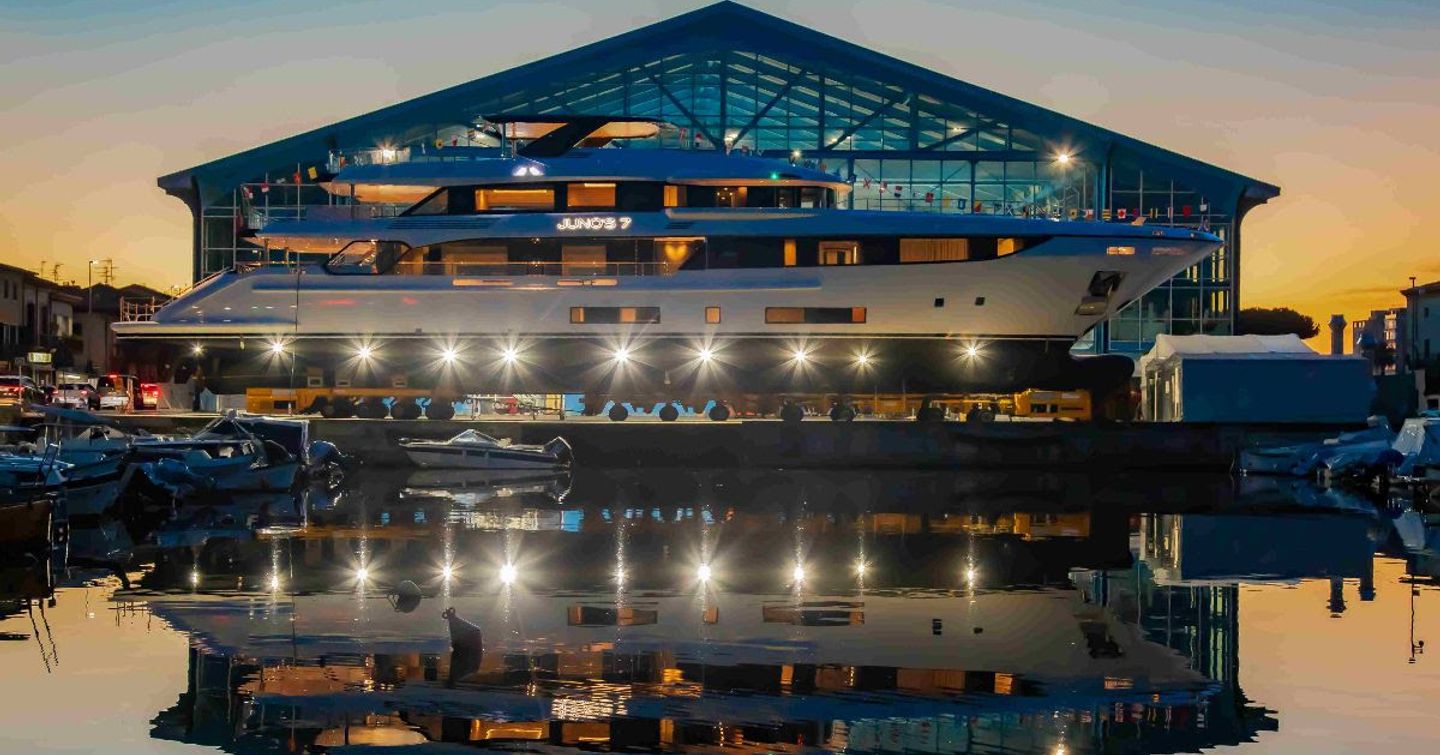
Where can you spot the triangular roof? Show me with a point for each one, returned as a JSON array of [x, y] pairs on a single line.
[[722, 26]]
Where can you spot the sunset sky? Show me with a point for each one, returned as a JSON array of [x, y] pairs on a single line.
[[1337, 102]]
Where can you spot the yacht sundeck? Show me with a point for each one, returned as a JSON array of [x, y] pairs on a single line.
[[575, 264]]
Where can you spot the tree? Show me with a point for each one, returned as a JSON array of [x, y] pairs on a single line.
[[1260, 321]]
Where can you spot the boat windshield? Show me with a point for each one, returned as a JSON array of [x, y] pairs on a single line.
[[471, 437]]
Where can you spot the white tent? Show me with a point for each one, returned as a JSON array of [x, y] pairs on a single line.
[[1167, 346], [1263, 379]]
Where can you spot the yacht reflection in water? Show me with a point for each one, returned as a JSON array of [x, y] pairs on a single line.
[[750, 611]]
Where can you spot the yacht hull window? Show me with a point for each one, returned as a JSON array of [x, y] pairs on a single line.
[[934, 250], [614, 315], [815, 315], [839, 253]]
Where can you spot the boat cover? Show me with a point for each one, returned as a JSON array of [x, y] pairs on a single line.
[[1419, 441]]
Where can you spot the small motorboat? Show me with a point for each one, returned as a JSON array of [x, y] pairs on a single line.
[[476, 450], [24, 477], [95, 446], [1304, 459], [227, 454]]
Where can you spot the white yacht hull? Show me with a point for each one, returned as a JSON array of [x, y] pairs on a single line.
[[1034, 294], [1026, 308]]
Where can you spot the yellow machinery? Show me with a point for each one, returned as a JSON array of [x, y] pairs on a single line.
[[1073, 405], [294, 400]]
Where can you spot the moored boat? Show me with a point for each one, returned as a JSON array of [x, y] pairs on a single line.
[[472, 449]]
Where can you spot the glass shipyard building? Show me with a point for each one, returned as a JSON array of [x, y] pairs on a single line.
[[729, 77]]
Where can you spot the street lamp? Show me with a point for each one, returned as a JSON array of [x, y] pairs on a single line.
[[90, 285]]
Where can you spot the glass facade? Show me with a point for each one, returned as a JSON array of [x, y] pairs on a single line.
[[903, 148]]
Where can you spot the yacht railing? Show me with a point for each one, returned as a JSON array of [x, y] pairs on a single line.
[[513, 269], [140, 310], [260, 216]]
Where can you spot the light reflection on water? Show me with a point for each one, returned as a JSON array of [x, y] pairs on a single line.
[[993, 613]]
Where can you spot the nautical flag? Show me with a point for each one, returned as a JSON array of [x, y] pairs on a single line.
[[1204, 207], [313, 173], [929, 197], [297, 176], [1105, 214], [867, 183], [1121, 213], [265, 188], [1185, 210], [1089, 213], [979, 207]]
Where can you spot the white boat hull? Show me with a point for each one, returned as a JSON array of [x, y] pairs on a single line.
[[443, 457], [91, 498]]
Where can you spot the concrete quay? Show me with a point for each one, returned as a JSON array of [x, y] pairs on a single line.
[[821, 444]]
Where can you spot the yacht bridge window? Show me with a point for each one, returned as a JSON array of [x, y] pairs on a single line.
[[366, 257], [590, 196], [515, 199], [624, 196]]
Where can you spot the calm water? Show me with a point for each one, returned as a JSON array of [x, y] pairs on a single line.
[[993, 613]]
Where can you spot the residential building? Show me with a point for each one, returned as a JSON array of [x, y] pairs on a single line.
[[1383, 337], [1422, 310]]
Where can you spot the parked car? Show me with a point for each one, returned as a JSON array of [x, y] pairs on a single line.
[[77, 396], [18, 390], [126, 392], [118, 392]]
